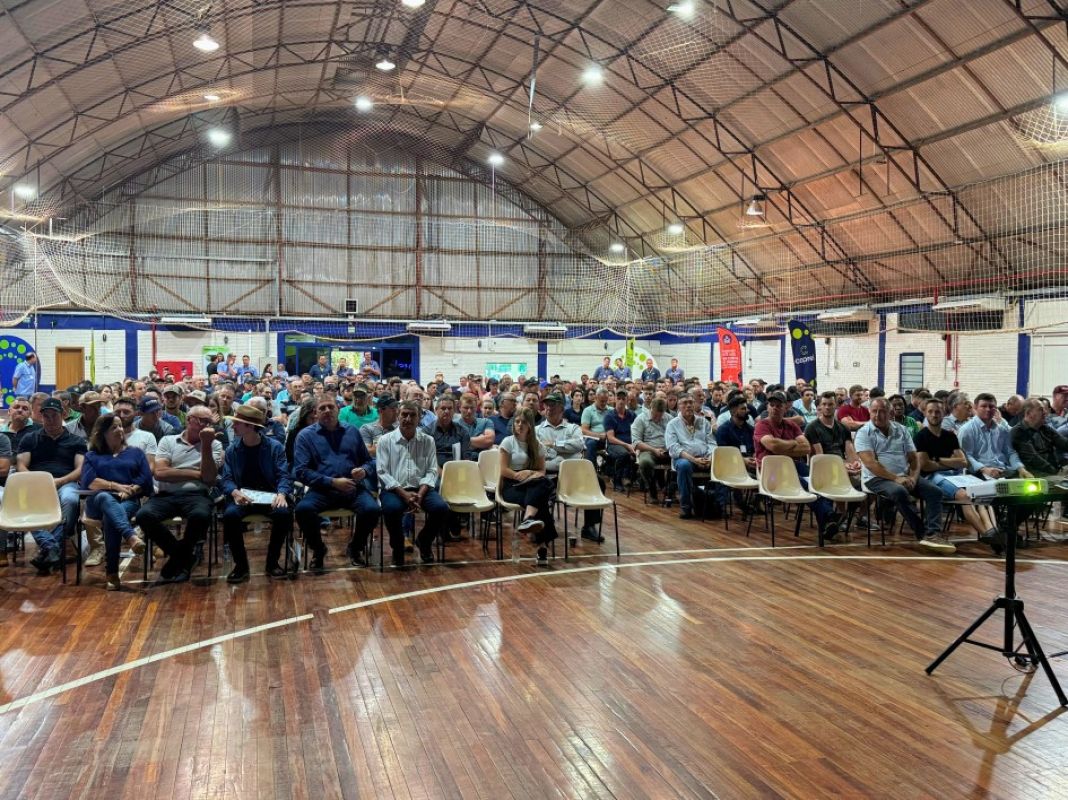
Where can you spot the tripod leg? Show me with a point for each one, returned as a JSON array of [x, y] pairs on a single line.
[[1036, 648], [960, 639]]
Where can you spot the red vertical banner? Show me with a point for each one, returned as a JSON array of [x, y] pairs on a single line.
[[730, 356]]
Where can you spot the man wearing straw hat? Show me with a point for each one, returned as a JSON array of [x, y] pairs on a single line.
[[255, 463]]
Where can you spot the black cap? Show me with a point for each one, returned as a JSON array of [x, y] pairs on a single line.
[[553, 397], [777, 397], [52, 404], [386, 401]]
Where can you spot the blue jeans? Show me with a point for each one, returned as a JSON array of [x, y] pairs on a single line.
[[50, 543], [822, 507], [592, 447], [114, 515], [684, 473], [435, 509], [317, 501], [901, 498]]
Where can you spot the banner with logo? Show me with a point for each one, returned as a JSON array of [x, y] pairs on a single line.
[[804, 352], [730, 356]]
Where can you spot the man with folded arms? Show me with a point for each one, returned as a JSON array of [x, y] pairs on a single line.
[[329, 458], [186, 466], [257, 463], [648, 437], [690, 441], [891, 469], [408, 472]]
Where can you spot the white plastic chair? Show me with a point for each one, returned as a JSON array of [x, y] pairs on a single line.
[[578, 488], [779, 483], [828, 478], [31, 503], [463, 490], [728, 468]]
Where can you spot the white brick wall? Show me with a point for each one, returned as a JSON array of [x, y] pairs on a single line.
[[987, 364], [110, 354], [457, 356], [693, 358], [847, 361], [760, 359], [189, 346], [937, 371]]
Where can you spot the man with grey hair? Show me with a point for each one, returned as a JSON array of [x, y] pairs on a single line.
[[592, 423], [502, 423], [647, 435]]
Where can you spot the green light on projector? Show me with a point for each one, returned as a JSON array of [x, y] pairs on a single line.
[[1031, 488]]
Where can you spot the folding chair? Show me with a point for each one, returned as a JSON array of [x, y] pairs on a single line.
[[779, 482], [578, 488], [828, 478], [728, 468], [31, 503]]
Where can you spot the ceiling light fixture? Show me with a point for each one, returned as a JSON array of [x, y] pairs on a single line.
[[412, 3], [364, 104], [618, 247], [219, 137], [536, 126], [756, 206], [205, 43], [684, 9], [593, 75], [24, 191], [212, 98], [385, 65], [495, 159], [676, 229]]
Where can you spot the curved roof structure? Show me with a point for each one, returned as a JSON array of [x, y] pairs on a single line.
[[868, 132]]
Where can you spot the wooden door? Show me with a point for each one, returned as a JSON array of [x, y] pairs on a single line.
[[70, 366]]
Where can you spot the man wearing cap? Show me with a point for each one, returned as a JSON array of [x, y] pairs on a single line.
[[736, 431], [257, 463], [150, 420], [361, 412], [329, 458], [195, 398], [778, 435], [185, 468], [386, 406], [273, 429], [83, 425], [172, 403], [1058, 416], [51, 448]]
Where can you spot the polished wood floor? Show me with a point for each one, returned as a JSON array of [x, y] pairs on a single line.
[[703, 665]]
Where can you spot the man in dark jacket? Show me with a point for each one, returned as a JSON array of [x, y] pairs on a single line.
[[1041, 449], [255, 463]]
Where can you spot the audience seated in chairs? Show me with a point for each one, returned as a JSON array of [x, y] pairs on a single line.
[[1042, 450], [330, 459], [186, 467], [51, 448], [943, 462], [523, 482], [121, 477], [257, 463], [648, 438], [408, 473], [18, 423], [778, 435], [988, 445], [690, 441], [563, 441], [891, 469], [387, 406], [737, 431]]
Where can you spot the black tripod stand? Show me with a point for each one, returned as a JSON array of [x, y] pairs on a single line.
[[1012, 605]]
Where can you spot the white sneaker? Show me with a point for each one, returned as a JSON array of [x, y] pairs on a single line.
[[530, 526], [938, 544]]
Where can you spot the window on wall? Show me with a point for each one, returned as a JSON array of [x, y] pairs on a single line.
[[911, 371]]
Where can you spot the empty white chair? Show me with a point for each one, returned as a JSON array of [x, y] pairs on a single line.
[[578, 488], [728, 468], [31, 503], [779, 483], [463, 490]]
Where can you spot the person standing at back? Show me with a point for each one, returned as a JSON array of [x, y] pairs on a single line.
[[25, 380]]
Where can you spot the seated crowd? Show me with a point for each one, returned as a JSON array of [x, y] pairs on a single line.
[[284, 450]]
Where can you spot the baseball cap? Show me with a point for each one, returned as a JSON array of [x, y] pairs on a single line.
[[386, 401], [149, 406], [174, 388], [359, 389], [1062, 389], [553, 397], [776, 397], [90, 398], [197, 396], [52, 404]]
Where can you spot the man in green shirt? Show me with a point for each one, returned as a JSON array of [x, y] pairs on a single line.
[[361, 412]]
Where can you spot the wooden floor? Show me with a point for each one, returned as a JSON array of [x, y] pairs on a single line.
[[703, 664]]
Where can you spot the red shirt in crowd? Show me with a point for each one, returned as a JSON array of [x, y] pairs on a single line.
[[787, 429], [858, 413]]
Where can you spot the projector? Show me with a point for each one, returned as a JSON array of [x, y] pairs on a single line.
[[1008, 487]]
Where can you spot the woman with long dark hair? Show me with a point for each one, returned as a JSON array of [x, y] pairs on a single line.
[[574, 414], [305, 417], [121, 477], [523, 482]]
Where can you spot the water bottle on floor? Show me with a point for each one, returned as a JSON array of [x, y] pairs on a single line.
[[227, 558], [515, 549]]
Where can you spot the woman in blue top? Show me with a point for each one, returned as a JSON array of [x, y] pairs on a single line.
[[120, 476]]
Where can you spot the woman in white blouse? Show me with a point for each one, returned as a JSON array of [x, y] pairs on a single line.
[[523, 482]]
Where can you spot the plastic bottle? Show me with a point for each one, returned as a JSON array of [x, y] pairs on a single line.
[[515, 549]]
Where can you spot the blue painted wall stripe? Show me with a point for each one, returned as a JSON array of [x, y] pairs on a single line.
[[543, 360]]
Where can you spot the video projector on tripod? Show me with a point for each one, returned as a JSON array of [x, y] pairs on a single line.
[[1008, 487]]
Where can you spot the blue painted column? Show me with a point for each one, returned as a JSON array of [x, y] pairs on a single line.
[[543, 360], [782, 360], [130, 332], [881, 379], [711, 359], [1023, 357]]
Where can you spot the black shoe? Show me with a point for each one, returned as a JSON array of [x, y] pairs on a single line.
[[543, 556], [426, 555], [995, 540], [41, 563], [398, 559], [653, 497], [276, 572], [238, 575], [591, 533], [170, 568], [686, 514], [830, 532], [316, 566], [357, 557]]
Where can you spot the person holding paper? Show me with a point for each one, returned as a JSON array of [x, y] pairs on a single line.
[[255, 480]]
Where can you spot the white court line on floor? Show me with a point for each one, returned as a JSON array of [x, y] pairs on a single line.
[[22, 702]]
